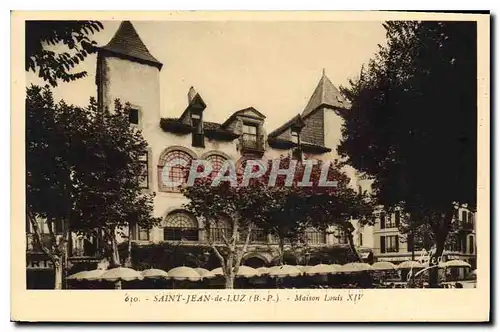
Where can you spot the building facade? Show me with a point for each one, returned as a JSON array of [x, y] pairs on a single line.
[[390, 245], [127, 71]]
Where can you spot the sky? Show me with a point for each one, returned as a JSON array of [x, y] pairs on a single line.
[[271, 66]]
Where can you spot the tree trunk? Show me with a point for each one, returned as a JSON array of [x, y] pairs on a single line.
[[115, 254], [434, 261], [229, 284], [128, 261], [58, 273], [281, 248], [350, 238], [118, 284]]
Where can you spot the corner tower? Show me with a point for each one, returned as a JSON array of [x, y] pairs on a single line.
[[126, 70], [322, 115]]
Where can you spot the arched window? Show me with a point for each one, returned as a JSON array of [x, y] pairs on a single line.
[[216, 161], [220, 229], [173, 170], [180, 226]]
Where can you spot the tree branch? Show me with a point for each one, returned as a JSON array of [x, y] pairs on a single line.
[[38, 239], [219, 256]]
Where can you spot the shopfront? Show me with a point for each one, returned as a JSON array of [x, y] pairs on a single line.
[[39, 272]]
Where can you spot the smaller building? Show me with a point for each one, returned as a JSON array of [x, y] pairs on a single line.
[[393, 246]]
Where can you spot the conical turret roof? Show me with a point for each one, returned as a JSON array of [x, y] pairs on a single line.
[[126, 42], [325, 94]]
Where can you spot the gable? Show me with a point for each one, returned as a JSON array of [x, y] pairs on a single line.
[[250, 113]]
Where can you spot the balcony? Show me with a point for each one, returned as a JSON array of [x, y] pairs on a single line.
[[315, 237], [252, 143], [217, 234], [258, 236]]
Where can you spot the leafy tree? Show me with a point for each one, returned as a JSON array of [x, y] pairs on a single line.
[[283, 208], [83, 174], [412, 124], [49, 165], [224, 205], [287, 211], [52, 65]]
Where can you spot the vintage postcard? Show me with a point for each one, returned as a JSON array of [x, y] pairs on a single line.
[[250, 166]]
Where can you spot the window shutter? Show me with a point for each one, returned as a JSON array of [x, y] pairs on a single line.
[[382, 220], [382, 244], [396, 238], [410, 243], [398, 216]]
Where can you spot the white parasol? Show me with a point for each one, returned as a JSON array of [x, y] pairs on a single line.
[[87, 275], [355, 267], [322, 269], [284, 271], [184, 273], [154, 274], [383, 266]]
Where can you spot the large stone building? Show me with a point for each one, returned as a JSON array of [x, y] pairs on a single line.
[[126, 70]]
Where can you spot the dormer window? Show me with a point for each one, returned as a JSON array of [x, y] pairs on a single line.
[[198, 137], [295, 137], [133, 116], [250, 136]]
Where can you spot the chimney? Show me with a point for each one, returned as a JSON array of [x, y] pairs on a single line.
[[191, 94]]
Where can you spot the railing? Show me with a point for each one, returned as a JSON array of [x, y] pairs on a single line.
[[217, 234], [252, 142], [180, 234], [258, 236], [315, 237]]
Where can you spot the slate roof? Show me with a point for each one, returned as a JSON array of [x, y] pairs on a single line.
[[325, 94], [212, 129], [284, 144], [296, 119], [126, 42]]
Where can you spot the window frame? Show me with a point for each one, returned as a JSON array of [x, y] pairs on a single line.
[[391, 243], [165, 158], [191, 231], [146, 171]]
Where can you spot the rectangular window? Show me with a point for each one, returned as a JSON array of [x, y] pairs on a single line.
[[382, 220], [464, 217], [392, 243], [414, 244], [133, 116], [143, 234], [250, 129], [250, 136], [360, 239], [391, 221], [471, 244], [398, 218], [144, 178]]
